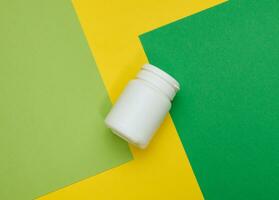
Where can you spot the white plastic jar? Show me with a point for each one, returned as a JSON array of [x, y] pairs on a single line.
[[142, 106]]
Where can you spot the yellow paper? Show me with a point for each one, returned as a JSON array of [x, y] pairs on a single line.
[[112, 28]]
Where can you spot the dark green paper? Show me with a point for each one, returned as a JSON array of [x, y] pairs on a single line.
[[227, 112], [52, 102]]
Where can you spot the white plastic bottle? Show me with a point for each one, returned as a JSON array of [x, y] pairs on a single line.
[[142, 106]]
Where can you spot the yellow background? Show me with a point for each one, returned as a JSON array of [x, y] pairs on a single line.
[[112, 28]]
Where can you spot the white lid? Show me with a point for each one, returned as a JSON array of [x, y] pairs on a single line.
[[159, 80], [163, 75]]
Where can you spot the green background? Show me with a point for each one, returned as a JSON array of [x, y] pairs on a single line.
[[52, 102], [227, 112]]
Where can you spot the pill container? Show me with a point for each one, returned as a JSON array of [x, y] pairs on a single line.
[[142, 106]]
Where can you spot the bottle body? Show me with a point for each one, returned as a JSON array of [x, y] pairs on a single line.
[[142, 106], [138, 113]]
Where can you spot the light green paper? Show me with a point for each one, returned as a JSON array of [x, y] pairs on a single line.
[[52, 102]]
